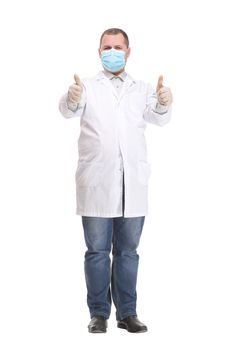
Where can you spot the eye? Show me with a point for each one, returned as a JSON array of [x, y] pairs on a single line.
[[107, 48], [118, 47]]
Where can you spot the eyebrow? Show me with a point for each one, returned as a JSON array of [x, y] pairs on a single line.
[[107, 46]]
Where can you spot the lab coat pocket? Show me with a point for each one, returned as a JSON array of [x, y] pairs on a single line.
[[144, 171], [88, 174]]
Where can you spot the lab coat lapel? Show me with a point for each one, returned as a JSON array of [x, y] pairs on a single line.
[[129, 81], [105, 80]]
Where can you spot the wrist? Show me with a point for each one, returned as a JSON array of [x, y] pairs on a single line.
[[71, 105]]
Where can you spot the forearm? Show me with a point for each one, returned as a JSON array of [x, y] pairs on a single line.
[[160, 115]]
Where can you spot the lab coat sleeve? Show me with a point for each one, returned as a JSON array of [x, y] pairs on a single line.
[[154, 112], [69, 112]]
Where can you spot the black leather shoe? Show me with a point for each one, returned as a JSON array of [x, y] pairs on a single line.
[[132, 325], [98, 324]]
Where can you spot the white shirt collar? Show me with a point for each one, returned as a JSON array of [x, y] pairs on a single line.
[[110, 76]]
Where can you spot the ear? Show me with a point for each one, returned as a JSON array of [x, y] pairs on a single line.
[[99, 52], [128, 52]]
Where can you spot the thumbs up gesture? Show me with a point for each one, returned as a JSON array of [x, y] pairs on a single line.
[[75, 91], [164, 93]]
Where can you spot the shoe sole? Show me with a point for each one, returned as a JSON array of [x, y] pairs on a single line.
[[123, 326], [97, 330]]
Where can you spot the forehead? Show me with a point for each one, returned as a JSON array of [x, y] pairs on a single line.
[[115, 39]]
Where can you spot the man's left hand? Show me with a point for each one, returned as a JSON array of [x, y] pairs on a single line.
[[164, 93]]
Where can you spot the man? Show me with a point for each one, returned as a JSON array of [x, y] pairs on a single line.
[[112, 177]]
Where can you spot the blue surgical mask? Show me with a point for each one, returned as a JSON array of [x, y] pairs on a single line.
[[113, 60]]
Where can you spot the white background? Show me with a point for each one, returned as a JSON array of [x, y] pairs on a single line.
[[185, 283]]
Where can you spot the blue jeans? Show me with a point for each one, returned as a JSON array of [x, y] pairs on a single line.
[[117, 282]]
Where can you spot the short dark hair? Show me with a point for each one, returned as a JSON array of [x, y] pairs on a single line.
[[114, 31]]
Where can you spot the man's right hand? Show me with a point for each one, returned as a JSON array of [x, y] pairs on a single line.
[[75, 91]]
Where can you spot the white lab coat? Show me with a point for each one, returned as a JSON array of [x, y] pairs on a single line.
[[112, 141]]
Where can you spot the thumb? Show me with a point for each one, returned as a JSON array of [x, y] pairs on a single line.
[[160, 83], [77, 79]]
